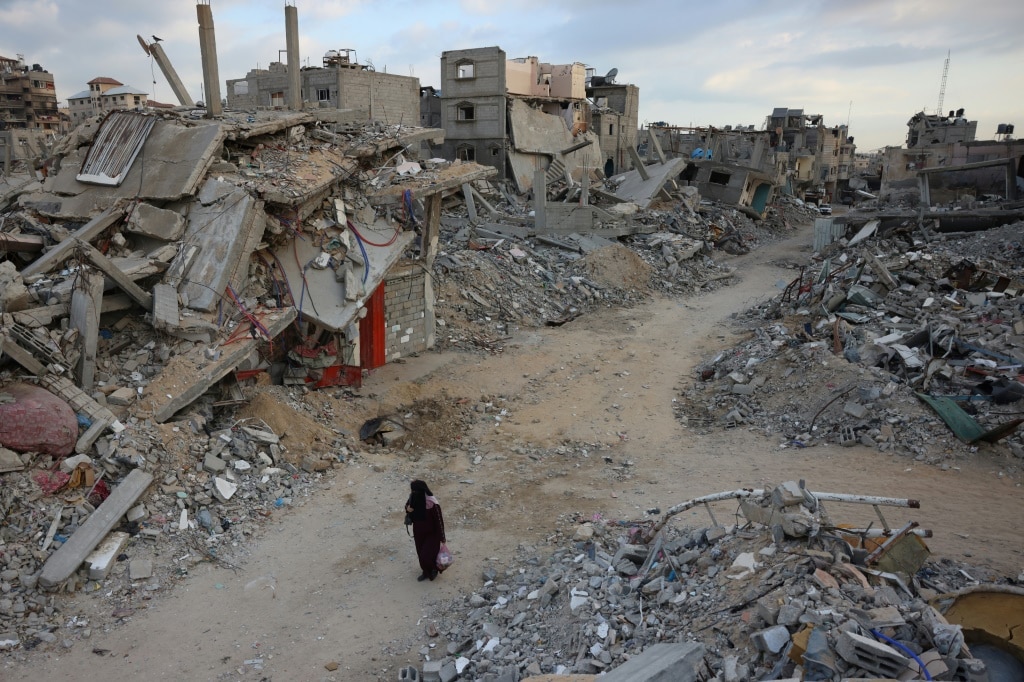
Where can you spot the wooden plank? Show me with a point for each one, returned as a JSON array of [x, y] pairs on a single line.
[[127, 285], [59, 253]]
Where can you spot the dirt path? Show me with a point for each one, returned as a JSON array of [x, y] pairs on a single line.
[[588, 428]]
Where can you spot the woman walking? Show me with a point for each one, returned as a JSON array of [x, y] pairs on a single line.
[[427, 527]]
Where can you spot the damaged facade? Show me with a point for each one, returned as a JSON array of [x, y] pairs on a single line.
[[944, 150], [819, 159], [28, 98], [734, 165], [523, 115]]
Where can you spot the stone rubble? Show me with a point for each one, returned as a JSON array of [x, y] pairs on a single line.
[[599, 596], [809, 375]]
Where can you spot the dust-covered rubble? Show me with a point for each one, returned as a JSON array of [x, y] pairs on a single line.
[[765, 604], [844, 351]]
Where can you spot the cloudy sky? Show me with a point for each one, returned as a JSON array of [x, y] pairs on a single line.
[[871, 62]]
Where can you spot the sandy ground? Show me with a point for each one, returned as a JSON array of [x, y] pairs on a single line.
[[333, 579]]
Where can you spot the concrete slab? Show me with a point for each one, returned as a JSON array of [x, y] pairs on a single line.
[[661, 663], [72, 553], [323, 298], [159, 223], [642, 192], [171, 165], [223, 231], [189, 375], [537, 137]]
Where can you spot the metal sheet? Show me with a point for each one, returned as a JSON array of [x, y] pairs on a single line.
[[113, 151]]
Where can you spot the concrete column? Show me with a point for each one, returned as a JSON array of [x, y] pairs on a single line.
[[540, 199], [208, 51], [432, 229], [86, 304], [291, 36], [924, 187], [638, 164], [171, 75], [1011, 179]]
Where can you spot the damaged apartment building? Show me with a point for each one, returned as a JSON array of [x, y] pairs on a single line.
[[29, 118], [819, 159], [523, 115], [943, 158]]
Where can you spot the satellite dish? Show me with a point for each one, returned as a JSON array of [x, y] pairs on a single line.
[[142, 42], [610, 76]]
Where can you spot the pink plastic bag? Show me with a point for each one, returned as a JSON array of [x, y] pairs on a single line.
[[444, 558]]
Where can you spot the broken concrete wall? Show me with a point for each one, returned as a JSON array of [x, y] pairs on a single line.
[[408, 322], [538, 137], [523, 77], [223, 223]]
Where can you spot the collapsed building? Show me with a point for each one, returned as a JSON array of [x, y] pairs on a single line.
[[733, 165]]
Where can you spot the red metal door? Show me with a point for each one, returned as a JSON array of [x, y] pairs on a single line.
[[372, 336]]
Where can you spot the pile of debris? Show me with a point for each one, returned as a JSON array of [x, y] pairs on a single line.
[[882, 343], [498, 276], [784, 594], [214, 485]]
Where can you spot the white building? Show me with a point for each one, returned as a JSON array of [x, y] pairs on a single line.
[[104, 95]]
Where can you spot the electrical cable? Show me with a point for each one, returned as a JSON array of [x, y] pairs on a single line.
[[366, 257], [389, 242]]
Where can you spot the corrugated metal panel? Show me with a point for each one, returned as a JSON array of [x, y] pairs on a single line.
[[825, 232], [118, 142]]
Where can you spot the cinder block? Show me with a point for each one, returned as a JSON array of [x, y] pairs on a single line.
[[873, 656], [432, 671], [409, 674]]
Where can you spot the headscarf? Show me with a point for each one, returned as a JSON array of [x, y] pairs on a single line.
[[421, 499]]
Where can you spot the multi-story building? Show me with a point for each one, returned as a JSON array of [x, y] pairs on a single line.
[[521, 115], [614, 117], [341, 83], [28, 98], [818, 158], [103, 96]]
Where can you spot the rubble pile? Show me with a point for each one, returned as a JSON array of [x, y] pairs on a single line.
[[854, 341], [216, 485], [496, 285], [787, 601]]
